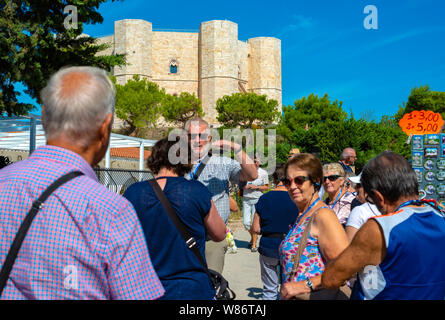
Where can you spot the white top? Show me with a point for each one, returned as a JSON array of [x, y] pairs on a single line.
[[263, 178], [360, 214]]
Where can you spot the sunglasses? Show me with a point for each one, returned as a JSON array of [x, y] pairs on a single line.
[[297, 180], [332, 178]]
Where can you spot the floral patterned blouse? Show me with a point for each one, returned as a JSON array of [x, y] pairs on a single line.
[[311, 262], [342, 207]]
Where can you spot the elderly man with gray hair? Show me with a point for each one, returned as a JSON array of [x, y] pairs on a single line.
[[347, 160], [83, 242]]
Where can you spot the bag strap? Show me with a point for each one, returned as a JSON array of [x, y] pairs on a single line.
[[201, 167], [26, 224], [189, 239], [302, 244]]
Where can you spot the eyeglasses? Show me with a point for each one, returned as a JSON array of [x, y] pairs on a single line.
[[297, 180], [201, 136], [331, 178]]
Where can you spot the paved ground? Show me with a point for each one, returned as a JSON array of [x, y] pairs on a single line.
[[242, 269]]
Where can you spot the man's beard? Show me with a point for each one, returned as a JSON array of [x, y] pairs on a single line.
[[196, 154]]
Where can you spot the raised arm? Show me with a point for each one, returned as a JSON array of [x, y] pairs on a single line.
[[249, 171]]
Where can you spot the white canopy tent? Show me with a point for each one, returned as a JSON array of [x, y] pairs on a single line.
[[26, 133]]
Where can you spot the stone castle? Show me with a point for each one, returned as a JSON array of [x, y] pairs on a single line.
[[211, 63]]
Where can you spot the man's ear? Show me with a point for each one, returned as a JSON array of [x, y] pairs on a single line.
[[380, 199], [105, 129], [42, 118]]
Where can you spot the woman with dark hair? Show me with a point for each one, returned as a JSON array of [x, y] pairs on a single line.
[[325, 240], [275, 212], [179, 270]]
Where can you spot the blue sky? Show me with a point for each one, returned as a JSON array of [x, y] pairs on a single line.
[[325, 46]]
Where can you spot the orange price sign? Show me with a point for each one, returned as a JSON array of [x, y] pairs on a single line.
[[421, 122]]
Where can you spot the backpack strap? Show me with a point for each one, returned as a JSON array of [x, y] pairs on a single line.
[[302, 244]]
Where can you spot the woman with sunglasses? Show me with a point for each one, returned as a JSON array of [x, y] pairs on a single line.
[[326, 238], [339, 198]]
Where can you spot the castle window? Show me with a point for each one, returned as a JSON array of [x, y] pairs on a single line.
[[173, 66]]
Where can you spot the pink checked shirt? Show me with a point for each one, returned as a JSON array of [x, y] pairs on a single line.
[[85, 243]]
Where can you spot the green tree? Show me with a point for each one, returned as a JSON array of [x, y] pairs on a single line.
[[319, 126], [181, 109], [35, 43], [310, 111], [422, 98], [246, 109], [139, 103]]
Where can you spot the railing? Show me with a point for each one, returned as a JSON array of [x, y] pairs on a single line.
[[118, 180]]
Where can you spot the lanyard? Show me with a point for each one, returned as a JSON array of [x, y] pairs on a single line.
[[337, 198], [430, 202], [307, 210], [407, 203], [196, 169]]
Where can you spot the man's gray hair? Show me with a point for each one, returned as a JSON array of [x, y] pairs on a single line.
[[77, 113], [390, 174], [196, 121], [346, 153]]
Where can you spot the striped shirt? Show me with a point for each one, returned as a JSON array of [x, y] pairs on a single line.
[[85, 243]]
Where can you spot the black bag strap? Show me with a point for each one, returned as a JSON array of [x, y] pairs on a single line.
[[201, 167], [24, 227], [189, 239]]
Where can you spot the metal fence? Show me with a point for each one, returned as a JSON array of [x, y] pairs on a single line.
[[118, 180]]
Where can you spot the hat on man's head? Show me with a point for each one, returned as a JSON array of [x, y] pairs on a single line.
[[356, 179]]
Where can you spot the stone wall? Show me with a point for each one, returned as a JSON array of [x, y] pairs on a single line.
[[211, 63], [265, 67], [134, 38], [183, 48]]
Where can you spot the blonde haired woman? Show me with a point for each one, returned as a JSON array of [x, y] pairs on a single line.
[[339, 199]]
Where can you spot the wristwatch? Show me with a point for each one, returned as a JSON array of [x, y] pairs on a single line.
[[309, 284]]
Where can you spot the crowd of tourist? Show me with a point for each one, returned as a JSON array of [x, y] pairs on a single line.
[[325, 231]]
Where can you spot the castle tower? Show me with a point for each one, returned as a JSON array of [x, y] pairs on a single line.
[[210, 64], [218, 68], [265, 68], [134, 38]]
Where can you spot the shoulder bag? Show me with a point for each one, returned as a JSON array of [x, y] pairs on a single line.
[[342, 293], [221, 285]]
